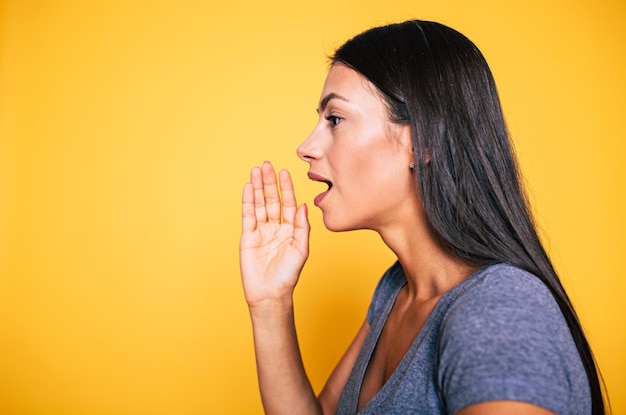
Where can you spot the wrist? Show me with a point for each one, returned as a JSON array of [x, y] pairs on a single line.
[[271, 308]]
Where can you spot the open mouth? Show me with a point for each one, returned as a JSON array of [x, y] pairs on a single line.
[[321, 179]]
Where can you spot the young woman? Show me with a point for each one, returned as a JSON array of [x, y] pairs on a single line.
[[472, 318]]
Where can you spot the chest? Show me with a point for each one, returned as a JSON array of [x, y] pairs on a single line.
[[400, 331]]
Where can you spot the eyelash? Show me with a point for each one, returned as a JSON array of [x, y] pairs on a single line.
[[333, 119]]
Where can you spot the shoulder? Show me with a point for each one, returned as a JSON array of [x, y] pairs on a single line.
[[502, 302], [504, 338], [502, 288]]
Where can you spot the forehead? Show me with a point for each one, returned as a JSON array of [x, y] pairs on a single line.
[[351, 85]]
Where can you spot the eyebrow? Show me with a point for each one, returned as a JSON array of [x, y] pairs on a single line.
[[324, 102]]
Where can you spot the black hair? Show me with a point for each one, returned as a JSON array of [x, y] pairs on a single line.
[[436, 80]]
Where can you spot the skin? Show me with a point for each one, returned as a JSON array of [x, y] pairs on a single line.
[[366, 157]]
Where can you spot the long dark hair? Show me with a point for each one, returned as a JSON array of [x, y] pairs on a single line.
[[437, 81]]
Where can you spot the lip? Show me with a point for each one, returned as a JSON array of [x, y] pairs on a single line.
[[319, 178]]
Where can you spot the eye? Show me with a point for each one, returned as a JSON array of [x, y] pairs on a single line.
[[333, 119]]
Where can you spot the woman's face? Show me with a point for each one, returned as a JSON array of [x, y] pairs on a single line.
[[362, 156]]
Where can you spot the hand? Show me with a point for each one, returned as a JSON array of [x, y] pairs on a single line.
[[273, 249]]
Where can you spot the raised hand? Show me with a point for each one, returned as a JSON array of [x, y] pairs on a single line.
[[275, 237]]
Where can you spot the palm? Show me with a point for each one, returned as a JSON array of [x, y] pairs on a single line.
[[274, 240]]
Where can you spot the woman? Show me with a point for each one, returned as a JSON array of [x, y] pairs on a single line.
[[472, 318]]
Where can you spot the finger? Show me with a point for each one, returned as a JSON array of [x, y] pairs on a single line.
[[248, 221], [289, 197], [270, 192], [259, 200]]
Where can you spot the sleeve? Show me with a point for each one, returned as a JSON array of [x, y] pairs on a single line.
[[507, 339], [384, 289]]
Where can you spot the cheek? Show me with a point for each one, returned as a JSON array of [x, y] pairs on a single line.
[[388, 173], [368, 161], [374, 173], [358, 166], [380, 159]]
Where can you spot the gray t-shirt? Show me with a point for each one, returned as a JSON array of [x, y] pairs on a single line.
[[498, 335]]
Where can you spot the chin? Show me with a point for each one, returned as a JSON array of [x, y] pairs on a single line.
[[338, 224]]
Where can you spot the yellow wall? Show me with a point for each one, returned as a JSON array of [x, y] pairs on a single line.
[[127, 130]]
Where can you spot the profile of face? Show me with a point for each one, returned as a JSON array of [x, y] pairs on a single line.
[[361, 155]]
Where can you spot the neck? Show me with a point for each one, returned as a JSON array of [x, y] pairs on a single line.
[[429, 269]]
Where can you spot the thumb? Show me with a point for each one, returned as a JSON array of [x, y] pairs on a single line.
[[302, 228]]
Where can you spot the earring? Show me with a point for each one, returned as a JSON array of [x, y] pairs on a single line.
[[411, 165]]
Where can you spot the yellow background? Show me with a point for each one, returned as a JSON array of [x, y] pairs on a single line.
[[127, 130]]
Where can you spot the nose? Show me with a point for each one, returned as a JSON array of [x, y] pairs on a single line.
[[310, 149]]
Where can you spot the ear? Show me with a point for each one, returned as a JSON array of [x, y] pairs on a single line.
[[405, 136], [406, 139]]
